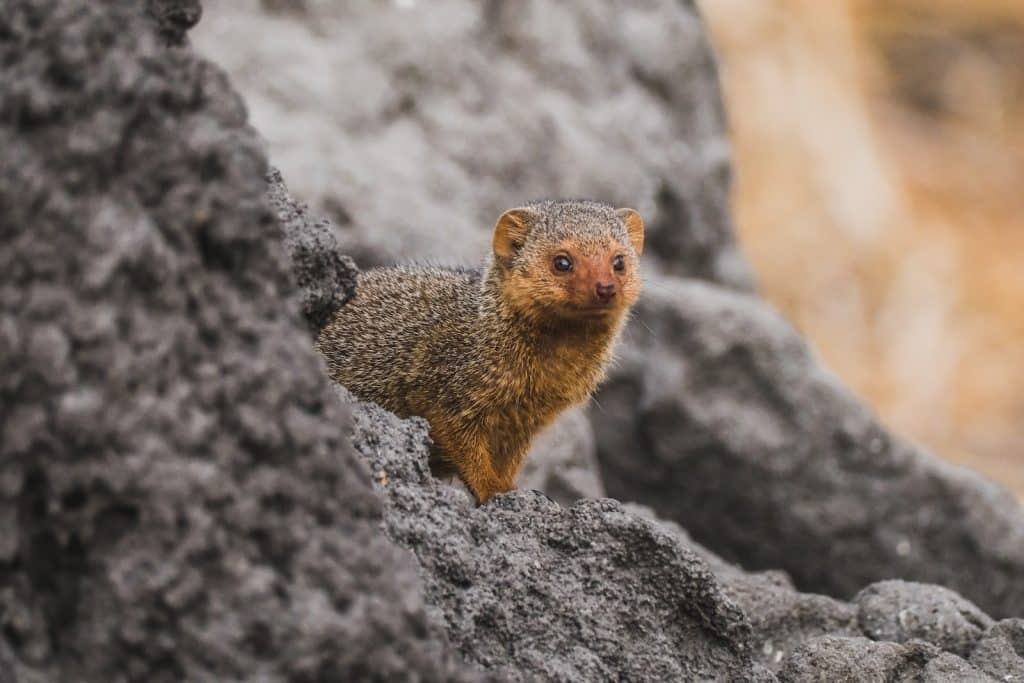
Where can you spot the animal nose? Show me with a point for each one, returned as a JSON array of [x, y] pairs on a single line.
[[605, 291]]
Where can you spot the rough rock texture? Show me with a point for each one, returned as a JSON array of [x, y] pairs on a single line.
[[901, 611], [177, 499], [1000, 653], [837, 658], [174, 18], [527, 588], [326, 277], [415, 148], [183, 497], [719, 417]]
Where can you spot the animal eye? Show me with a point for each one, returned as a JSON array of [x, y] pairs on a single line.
[[619, 263], [562, 264]]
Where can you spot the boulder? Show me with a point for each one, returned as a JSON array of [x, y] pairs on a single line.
[[183, 495], [178, 500], [901, 611], [530, 590]]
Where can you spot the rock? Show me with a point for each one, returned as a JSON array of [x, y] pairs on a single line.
[[781, 618], [326, 277], [837, 658], [718, 417], [184, 497], [178, 500], [1000, 653], [900, 611], [7, 664], [418, 148], [527, 589], [174, 18]]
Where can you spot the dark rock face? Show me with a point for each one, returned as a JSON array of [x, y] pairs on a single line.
[[177, 499], [837, 658], [420, 147], [901, 611], [719, 417], [529, 589], [174, 17], [1000, 653], [326, 277], [183, 496]]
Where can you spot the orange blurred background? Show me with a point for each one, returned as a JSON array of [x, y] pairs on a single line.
[[879, 150]]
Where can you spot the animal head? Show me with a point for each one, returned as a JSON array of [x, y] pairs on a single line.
[[569, 259]]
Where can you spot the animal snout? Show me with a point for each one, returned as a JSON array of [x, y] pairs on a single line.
[[605, 291]]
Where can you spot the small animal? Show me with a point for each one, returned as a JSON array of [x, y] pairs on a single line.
[[490, 356]]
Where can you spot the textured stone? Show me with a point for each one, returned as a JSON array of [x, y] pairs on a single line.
[[528, 589], [900, 611], [837, 658], [178, 501], [1000, 653], [183, 497], [326, 277]]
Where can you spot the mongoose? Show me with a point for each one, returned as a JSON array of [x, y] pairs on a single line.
[[489, 356]]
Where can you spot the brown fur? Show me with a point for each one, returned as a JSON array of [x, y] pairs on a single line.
[[489, 357]]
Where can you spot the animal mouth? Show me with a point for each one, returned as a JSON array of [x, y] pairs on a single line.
[[595, 310]]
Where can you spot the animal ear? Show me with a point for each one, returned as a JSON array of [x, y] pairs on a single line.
[[635, 228], [511, 230]]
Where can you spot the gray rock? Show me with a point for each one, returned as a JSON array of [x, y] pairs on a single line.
[[900, 611], [177, 499], [1000, 653], [183, 497], [7, 664], [781, 618], [719, 417], [528, 589], [415, 148], [837, 658], [174, 18], [326, 277]]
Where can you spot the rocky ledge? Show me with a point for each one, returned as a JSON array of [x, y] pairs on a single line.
[[183, 495]]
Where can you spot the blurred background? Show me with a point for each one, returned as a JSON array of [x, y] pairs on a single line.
[[879, 149]]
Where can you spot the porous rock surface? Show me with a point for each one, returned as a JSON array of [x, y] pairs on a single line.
[[901, 611], [326, 277], [177, 499], [528, 588], [183, 496], [600, 590]]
